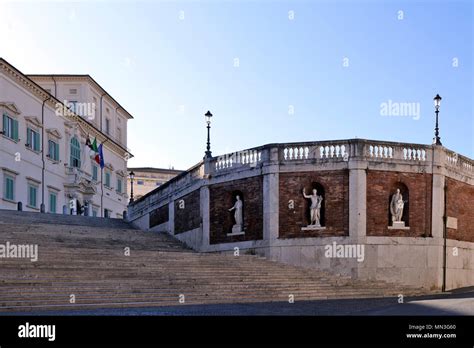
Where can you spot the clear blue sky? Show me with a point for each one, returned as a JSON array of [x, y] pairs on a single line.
[[168, 71]]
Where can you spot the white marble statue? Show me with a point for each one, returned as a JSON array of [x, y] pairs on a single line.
[[396, 207], [238, 207], [315, 208]]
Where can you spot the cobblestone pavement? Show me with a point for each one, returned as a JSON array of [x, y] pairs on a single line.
[[443, 304]]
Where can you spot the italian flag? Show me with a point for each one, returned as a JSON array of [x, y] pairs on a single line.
[[99, 157]]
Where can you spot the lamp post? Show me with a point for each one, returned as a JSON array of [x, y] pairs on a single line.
[[132, 176], [437, 102], [208, 121]]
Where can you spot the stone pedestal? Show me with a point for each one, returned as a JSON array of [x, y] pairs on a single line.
[[313, 228], [236, 231], [398, 225]]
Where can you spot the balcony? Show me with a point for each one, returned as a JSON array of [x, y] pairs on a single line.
[[78, 181]]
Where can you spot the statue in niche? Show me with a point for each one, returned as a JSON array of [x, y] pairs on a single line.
[[396, 208], [315, 208], [238, 207]]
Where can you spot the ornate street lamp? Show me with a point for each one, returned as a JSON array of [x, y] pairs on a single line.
[[132, 176], [437, 102], [208, 121]]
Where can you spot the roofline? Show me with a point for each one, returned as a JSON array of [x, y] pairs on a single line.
[[88, 77], [169, 182], [2, 60], [152, 169]]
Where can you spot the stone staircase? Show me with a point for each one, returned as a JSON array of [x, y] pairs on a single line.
[[28, 218], [85, 259]]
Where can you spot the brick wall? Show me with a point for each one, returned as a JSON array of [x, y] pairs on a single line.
[[460, 205], [222, 197], [381, 185], [335, 203], [188, 218], [159, 215]]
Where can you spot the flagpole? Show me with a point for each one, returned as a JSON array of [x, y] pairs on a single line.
[[102, 182], [101, 191]]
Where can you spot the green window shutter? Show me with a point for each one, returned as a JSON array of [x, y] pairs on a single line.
[[15, 129], [51, 149], [56, 145], [11, 191], [52, 203], [32, 196], [9, 187], [37, 141], [75, 153], [94, 172]]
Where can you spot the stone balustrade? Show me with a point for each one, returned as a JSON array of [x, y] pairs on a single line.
[[249, 157], [299, 153], [458, 162]]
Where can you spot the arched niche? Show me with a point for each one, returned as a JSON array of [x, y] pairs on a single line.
[[231, 200], [405, 192], [320, 192]]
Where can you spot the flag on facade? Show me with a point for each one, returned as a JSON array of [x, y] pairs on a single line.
[[92, 145], [101, 157]]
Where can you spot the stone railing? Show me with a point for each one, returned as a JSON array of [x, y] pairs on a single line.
[[458, 162], [75, 175], [372, 151], [249, 158], [324, 150], [397, 151], [344, 149], [158, 196]]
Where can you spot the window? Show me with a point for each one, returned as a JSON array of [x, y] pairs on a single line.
[[9, 188], [32, 195], [10, 127], [107, 179], [107, 213], [119, 185], [94, 212], [75, 153], [158, 183], [32, 139], [73, 91], [140, 182], [72, 105], [53, 197], [119, 135], [107, 126], [53, 150], [95, 171]]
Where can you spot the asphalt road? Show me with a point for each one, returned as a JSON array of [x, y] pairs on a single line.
[[458, 303]]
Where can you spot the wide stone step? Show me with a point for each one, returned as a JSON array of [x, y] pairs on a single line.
[[7, 216], [174, 296], [85, 257]]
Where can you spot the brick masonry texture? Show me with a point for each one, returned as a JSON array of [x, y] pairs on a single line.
[[222, 197], [188, 218], [381, 185], [159, 215], [460, 205], [335, 207]]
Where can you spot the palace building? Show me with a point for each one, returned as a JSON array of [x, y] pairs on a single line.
[[46, 164], [364, 209], [146, 179]]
